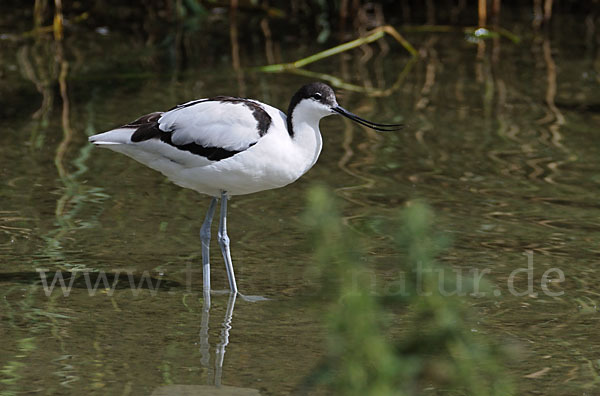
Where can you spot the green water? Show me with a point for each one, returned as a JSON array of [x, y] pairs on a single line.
[[500, 140]]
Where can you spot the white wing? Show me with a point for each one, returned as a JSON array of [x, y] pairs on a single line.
[[194, 134], [228, 123]]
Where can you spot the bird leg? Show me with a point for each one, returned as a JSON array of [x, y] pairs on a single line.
[[205, 238], [223, 239]]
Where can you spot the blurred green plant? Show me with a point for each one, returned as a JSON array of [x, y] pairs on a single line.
[[434, 348]]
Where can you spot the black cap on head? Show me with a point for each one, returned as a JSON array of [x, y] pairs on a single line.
[[318, 91], [323, 93]]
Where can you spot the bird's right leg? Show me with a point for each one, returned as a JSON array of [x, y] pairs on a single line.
[[205, 238], [224, 243]]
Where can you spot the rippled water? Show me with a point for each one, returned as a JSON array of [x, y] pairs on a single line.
[[500, 139]]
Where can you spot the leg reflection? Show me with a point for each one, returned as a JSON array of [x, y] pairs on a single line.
[[223, 339], [204, 344]]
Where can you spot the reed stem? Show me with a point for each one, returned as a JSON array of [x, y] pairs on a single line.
[[373, 36]]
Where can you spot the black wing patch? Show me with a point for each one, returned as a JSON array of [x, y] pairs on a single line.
[[147, 128], [211, 153]]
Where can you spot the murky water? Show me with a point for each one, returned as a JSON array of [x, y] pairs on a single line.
[[501, 140]]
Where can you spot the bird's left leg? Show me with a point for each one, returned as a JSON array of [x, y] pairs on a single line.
[[223, 239]]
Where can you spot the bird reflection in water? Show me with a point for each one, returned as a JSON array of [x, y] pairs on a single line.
[[214, 385]]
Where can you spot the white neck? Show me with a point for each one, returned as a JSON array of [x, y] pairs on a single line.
[[306, 135]]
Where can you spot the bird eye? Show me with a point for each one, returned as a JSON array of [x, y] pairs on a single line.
[[317, 96]]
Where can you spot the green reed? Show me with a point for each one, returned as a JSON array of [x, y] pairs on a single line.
[[385, 343]]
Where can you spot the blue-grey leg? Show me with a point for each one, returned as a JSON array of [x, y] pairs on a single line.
[[224, 243], [205, 238]]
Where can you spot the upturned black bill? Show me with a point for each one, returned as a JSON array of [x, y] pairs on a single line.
[[367, 123]]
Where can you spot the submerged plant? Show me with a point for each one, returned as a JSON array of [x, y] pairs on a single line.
[[432, 347]]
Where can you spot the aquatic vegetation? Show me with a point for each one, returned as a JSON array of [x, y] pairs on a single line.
[[324, 19], [376, 34], [430, 345]]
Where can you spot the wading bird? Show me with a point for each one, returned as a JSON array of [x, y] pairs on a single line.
[[225, 146]]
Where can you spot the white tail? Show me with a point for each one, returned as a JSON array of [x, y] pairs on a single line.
[[116, 136]]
